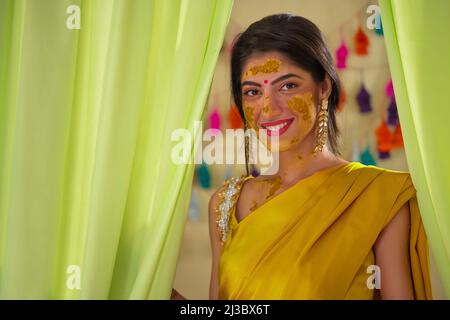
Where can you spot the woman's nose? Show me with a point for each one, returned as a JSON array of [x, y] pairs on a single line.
[[270, 107]]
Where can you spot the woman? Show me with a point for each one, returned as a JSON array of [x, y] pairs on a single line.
[[321, 227]]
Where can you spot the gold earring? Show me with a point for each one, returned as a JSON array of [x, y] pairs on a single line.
[[247, 151], [322, 133]]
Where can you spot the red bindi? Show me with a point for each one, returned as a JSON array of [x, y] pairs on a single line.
[[266, 81]]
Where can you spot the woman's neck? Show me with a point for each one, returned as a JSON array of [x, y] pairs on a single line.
[[298, 163]]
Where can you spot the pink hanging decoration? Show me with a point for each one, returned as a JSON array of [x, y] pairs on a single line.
[[390, 89], [214, 121], [341, 56]]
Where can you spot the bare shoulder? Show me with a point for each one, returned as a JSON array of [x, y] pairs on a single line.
[[399, 225]]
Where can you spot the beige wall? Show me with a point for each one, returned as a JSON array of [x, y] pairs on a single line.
[[193, 272]]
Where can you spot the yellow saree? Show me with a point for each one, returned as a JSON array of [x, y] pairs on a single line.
[[314, 240]]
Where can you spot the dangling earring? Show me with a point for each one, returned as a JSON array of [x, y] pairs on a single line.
[[247, 152], [322, 133]]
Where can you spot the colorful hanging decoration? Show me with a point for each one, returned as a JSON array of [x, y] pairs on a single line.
[[228, 171], [361, 42], [204, 177], [214, 120], [363, 99], [397, 139], [194, 206], [235, 118], [254, 171], [355, 152], [384, 140], [379, 26], [342, 99], [392, 113], [341, 56], [367, 158], [390, 90]]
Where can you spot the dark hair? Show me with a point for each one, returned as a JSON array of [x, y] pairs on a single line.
[[300, 40]]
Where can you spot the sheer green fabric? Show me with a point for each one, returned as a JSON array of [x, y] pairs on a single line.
[[86, 116], [418, 47]]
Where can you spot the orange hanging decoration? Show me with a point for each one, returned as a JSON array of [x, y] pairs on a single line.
[[397, 138], [235, 118], [361, 42], [384, 140]]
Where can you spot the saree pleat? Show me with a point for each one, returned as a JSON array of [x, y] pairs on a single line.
[[315, 240]]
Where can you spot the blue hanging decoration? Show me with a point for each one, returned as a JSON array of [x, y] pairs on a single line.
[[367, 158], [194, 206], [228, 171], [363, 99], [355, 153], [392, 113], [379, 26], [204, 177]]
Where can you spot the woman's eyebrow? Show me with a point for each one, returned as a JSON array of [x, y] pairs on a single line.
[[252, 83], [285, 77]]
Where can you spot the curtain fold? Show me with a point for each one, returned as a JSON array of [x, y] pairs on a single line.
[[86, 116], [418, 47]]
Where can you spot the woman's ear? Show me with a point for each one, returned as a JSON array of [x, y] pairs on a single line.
[[325, 88]]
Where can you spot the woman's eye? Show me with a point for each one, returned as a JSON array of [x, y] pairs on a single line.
[[251, 92], [288, 86]]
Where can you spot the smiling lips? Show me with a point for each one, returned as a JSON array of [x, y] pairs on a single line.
[[277, 127]]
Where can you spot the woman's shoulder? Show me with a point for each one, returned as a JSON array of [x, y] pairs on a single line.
[[229, 191], [223, 201], [384, 176]]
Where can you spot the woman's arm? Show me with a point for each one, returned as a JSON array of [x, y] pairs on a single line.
[[216, 247], [392, 256]]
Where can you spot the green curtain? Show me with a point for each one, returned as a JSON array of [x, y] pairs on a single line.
[[418, 47], [86, 116]]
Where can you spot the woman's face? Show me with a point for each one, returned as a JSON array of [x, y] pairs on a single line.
[[281, 98]]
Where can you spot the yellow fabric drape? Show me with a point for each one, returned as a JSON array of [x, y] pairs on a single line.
[[314, 240]]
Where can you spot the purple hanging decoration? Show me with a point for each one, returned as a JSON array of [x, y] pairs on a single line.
[[384, 155], [363, 99], [392, 113], [341, 56], [254, 171]]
